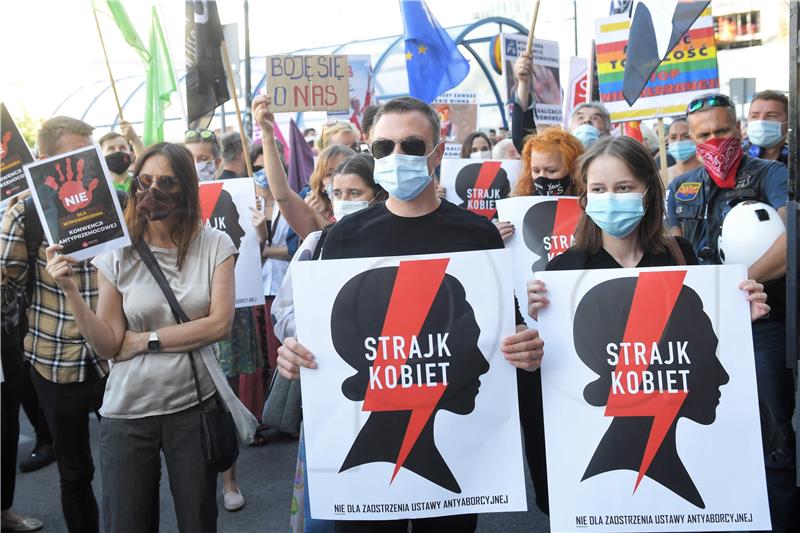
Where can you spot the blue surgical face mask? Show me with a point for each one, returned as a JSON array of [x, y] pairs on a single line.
[[586, 134], [682, 150], [617, 214], [403, 176], [764, 133]]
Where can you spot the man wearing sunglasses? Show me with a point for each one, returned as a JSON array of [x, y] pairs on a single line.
[[697, 204], [414, 220]]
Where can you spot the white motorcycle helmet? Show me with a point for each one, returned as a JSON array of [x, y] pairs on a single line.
[[748, 231]]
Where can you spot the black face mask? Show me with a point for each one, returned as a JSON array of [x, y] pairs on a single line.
[[547, 187], [118, 162]]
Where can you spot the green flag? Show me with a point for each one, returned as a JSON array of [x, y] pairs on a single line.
[[120, 16], [160, 84]]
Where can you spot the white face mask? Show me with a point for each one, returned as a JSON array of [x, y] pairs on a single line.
[[205, 170], [482, 154], [342, 208]]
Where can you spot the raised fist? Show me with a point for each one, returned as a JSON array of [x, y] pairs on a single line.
[[71, 190]]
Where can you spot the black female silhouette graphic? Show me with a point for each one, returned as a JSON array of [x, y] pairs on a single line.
[[415, 299], [642, 434]]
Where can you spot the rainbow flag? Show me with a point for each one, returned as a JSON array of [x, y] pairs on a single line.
[[688, 71]]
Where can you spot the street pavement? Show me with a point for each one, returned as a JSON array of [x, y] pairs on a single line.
[[265, 478]]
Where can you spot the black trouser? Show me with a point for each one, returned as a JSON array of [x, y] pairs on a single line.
[[531, 417], [11, 392], [464, 523], [67, 407], [30, 404]]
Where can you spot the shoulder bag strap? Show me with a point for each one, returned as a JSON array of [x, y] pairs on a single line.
[[180, 316]]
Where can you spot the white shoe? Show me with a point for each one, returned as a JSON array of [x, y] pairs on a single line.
[[233, 500]]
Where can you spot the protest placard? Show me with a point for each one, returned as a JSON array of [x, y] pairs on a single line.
[[361, 87], [225, 205], [650, 401], [412, 411], [688, 71], [458, 116], [76, 201], [577, 86], [546, 76], [545, 228], [476, 185], [308, 83], [14, 153]]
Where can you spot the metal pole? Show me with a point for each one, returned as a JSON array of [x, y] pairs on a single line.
[[575, 23], [248, 97], [792, 218]]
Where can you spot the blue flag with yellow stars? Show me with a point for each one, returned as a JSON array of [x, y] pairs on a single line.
[[433, 62]]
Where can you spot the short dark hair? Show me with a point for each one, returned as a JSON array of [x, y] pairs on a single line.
[[308, 130], [466, 146], [368, 118], [407, 104], [652, 237], [363, 165], [110, 136], [231, 146], [255, 151], [776, 96]]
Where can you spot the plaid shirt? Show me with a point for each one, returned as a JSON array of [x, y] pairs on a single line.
[[53, 343]]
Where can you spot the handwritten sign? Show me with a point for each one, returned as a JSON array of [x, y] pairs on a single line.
[[308, 83]]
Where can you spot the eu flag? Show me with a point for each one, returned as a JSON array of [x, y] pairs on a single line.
[[433, 61]]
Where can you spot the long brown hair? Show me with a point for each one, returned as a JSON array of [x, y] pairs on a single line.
[[552, 139], [652, 237], [189, 220]]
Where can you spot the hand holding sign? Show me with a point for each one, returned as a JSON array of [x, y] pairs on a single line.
[[262, 114], [60, 267]]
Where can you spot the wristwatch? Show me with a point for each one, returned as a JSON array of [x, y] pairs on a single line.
[[153, 344]]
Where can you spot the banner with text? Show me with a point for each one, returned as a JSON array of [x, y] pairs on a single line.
[[545, 227], [13, 154], [546, 75], [225, 205], [308, 83], [413, 410], [477, 184], [77, 203], [362, 90], [578, 86], [458, 115], [650, 401], [687, 72]]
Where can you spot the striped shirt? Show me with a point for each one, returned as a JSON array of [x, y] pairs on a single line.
[[53, 343]]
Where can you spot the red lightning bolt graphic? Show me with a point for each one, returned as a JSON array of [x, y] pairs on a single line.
[[414, 290], [209, 195], [567, 214], [653, 301], [486, 176]]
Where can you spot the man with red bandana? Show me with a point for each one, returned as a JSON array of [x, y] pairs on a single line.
[[697, 204]]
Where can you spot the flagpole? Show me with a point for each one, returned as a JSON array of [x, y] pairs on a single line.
[[662, 150], [590, 74], [533, 25], [108, 65], [227, 62]]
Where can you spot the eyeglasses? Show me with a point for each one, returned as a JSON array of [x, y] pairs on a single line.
[[410, 146], [202, 134], [712, 100], [163, 183]]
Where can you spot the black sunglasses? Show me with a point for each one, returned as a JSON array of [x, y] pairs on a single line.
[[164, 183], [712, 100], [410, 146], [203, 134]]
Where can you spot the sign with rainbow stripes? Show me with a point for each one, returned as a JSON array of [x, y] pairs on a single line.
[[688, 71]]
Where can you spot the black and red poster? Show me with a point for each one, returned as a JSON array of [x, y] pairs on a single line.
[[77, 204], [14, 153], [650, 401], [545, 227], [412, 411], [225, 205], [477, 185]]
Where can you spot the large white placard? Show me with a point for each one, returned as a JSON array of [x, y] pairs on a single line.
[[544, 226], [650, 401], [412, 411], [477, 184], [225, 205]]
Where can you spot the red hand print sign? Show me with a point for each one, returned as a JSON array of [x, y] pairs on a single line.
[[71, 190]]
